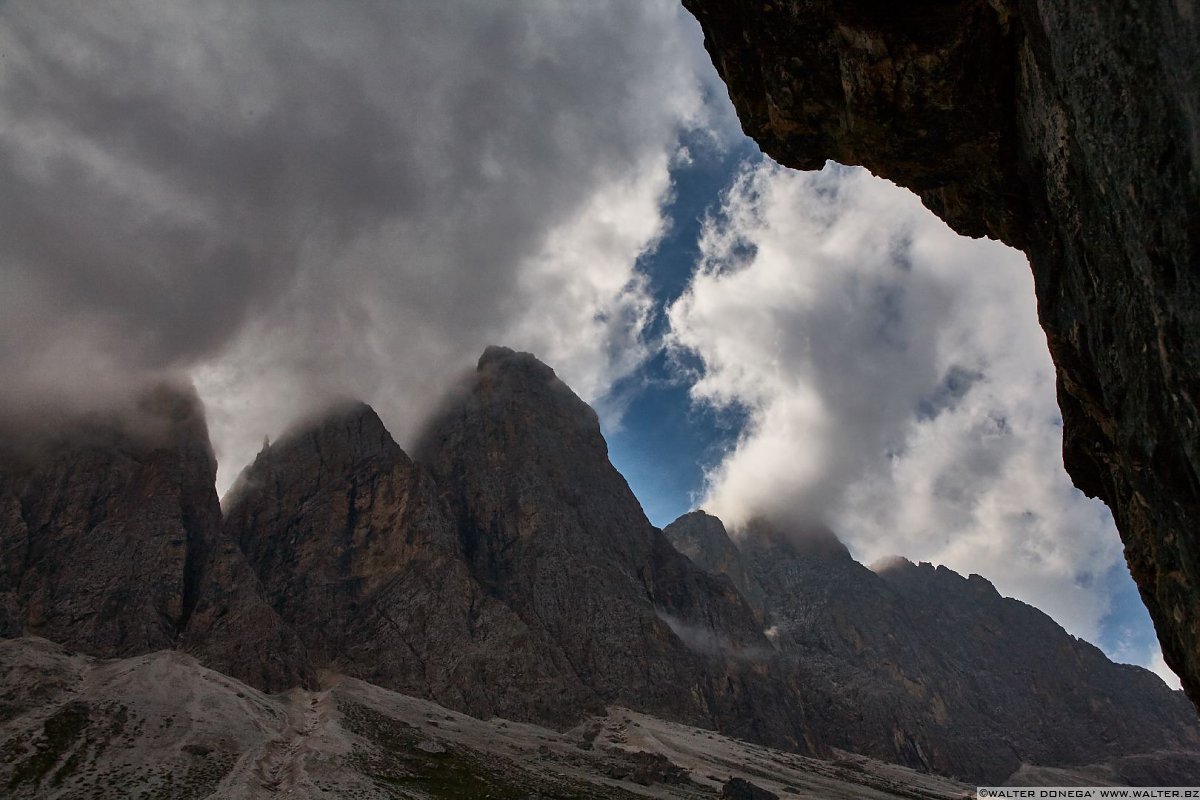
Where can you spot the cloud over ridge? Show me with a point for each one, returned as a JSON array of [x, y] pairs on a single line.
[[898, 387], [301, 200]]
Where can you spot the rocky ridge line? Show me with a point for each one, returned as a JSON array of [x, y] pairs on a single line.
[[509, 571], [926, 668]]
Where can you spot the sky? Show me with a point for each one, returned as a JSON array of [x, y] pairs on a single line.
[[292, 203]]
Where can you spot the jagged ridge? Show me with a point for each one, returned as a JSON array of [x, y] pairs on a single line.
[[927, 668]]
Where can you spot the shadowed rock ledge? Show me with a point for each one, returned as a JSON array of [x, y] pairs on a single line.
[[1070, 130]]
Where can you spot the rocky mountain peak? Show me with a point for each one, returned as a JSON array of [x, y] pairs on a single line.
[[702, 538], [350, 426], [347, 436], [100, 515], [811, 543], [501, 357], [891, 564], [340, 466], [550, 527], [526, 392], [515, 437], [357, 552]]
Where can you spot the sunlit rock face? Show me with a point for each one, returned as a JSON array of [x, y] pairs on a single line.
[[1070, 130], [112, 544], [921, 666]]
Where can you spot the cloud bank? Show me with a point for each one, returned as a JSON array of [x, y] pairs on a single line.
[[897, 384], [294, 201]]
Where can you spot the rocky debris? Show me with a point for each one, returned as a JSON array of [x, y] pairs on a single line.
[[1070, 131], [921, 666], [651, 768], [742, 789], [111, 538], [551, 528], [162, 726], [358, 556]]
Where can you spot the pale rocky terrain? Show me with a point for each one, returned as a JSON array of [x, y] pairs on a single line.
[[162, 726]]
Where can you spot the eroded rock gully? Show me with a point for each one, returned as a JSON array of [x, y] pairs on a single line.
[[1064, 128]]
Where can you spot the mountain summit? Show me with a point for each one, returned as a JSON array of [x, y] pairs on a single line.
[[549, 526]]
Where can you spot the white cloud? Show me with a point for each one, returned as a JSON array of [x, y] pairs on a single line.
[[898, 387], [1158, 665]]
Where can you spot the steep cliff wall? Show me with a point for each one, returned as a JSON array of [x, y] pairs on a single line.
[[361, 560], [111, 543], [1070, 130]]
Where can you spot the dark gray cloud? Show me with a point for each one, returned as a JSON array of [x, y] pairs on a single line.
[[295, 200]]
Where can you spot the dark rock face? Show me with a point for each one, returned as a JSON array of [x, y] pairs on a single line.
[[510, 572], [702, 538], [1070, 130], [358, 555], [96, 527], [111, 541], [742, 789], [233, 629], [551, 528], [926, 668]]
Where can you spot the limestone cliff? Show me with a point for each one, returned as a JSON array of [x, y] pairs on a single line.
[[1070, 130], [509, 571]]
